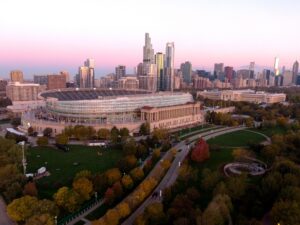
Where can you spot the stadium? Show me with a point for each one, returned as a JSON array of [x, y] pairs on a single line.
[[105, 108]]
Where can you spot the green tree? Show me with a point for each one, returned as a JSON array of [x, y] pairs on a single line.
[[42, 141], [209, 179], [124, 132], [69, 131], [114, 135], [145, 129], [129, 147], [47, 132]]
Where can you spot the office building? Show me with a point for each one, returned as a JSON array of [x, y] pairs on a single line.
[[169, 67], [276, 66], [128, 83], [120, 71], [16, 76], [186, 69], [87, 74], [66, 74], [56, 82], [159, 61], [287, 78], [229, 73], [148, 51], [295, 71], [40, 79], [219, 70]]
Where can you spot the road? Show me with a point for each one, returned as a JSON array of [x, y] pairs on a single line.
[[173, 172], [4, 219]]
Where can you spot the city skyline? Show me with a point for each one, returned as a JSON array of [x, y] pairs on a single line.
[[204, 34]]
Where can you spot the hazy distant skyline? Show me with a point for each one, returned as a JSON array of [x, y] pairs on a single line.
[[46, 36]]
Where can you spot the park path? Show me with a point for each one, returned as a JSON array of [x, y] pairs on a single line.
[[4, 219], [173, 171]]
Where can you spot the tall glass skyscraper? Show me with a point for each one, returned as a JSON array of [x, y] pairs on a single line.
[[159, 61], [148, 50], [169, 66]]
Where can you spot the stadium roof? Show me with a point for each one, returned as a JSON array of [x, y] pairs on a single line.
[[89, 94]]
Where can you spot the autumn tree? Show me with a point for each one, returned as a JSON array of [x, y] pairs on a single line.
[[137, 174], [42, 141], [124, 132], [61, 139], [127, 182], [118, 189], [67, 199], [145, 129], [30, 189], [285, 212], [47, 132], [83, 173], [114, 135], [84, 187], [200, 152], [113, 175], [103, 133], [127, 163], [129, 147], [43, 219], [109, 196], [155, 214], [209, 179]]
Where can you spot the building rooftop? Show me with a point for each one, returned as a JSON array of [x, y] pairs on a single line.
[[89, 94]]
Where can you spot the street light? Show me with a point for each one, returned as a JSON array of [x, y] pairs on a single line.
[[22, 143]]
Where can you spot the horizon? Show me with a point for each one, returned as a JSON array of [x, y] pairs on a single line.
[[204, 33]]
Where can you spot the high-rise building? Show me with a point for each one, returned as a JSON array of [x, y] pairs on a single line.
[[120, 71], [148, 50], [66, 74], [295, 72], [251, 70], [23, 92], [276, 66], [87, 74], [229, 73], [159, 61], [40, 79], [169, 66], [218, 70], [267, 76], [287, 78], [186, 69], [56, 82], [16, 76]]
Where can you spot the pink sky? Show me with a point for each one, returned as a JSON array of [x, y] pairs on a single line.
[[49, 36]]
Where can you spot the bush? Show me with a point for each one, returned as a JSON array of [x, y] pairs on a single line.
[[42, 141]]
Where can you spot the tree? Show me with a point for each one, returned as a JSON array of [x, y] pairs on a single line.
[[124, 132], [43, 219], [155, 154], [109, 196], [30, 189], [112, 217], [160, 134], [285, 212], [137, 174], [42, 141], [67, 199], [237, 186], [83, 173], [113, 175], [100, 183], [123, 209], [47, 132], [209, 179], [145, 129], [103, 133], [127, 163], [141, 151], [114, 135], [200, 152], [118, 189], [22, 208], [84, 187], [241, 153], [155, 214], [61, 139], [91, 132], [127, 182], [129, 147], [69, 131], [30, 131]]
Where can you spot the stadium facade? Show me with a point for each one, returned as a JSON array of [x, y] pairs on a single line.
[[106, 108]]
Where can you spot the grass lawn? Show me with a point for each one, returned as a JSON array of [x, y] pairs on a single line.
[[236, 139], [218, 158], [62, 165], [271, 131]]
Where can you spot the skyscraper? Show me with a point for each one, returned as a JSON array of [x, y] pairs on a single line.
[[16, 76], [169, 66], [251, 70], [87, 74], [295, 71], [120, 71], [148, 50], [186, 69], [229, 73], [218, 70], [159, 61], [276, 66]]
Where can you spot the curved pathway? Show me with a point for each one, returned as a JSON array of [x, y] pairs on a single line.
[[173, 171]]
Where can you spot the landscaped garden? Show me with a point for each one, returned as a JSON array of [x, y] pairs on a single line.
[[64, 165]]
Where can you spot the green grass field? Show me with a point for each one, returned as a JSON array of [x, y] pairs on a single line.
[[64, 165], [271, 131], [236, 139], [218, 158]]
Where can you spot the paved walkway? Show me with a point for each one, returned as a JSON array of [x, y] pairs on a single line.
[[173, 172], [4, 219]]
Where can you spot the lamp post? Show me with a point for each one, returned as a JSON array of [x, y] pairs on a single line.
[[55, 220], [22, 143]]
